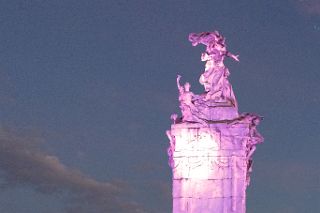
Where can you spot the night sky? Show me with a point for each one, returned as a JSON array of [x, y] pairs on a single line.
[[87, 89]]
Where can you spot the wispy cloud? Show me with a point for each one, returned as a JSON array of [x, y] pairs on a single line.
[[23, 162], [311, 7]]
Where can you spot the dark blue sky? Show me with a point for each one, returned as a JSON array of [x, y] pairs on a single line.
[[87, 89]]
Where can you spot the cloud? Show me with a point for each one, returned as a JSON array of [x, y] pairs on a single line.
[[24, 163], [311, 7]]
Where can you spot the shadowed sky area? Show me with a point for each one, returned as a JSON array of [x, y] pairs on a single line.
[[87, 89]]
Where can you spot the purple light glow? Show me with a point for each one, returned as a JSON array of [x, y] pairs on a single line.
[[211, 145]]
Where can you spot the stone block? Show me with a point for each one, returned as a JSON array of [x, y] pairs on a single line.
[[233, 142]]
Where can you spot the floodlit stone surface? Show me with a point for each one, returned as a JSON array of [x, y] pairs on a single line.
[[211, 144]]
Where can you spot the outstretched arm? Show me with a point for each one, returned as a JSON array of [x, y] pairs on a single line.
[[235, 57]]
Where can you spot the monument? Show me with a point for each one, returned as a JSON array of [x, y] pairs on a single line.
[[211, 144]]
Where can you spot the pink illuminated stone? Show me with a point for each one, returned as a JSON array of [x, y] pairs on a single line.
[[211, 145]]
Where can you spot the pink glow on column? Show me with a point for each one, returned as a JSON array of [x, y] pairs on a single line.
[[211, 145]]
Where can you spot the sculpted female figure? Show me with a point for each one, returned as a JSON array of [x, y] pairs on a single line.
[[214, 79], [187, 98]]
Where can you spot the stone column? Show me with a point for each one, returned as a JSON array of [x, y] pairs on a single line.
[[211, 145], [209, 167]]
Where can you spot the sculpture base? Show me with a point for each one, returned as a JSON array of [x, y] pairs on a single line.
[[220, 112], [209, 164]]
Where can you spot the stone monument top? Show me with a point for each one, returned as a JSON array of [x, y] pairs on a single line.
[[211, 145], [218, 102]]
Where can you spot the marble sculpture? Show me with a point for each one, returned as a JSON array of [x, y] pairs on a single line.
[[211, 144]]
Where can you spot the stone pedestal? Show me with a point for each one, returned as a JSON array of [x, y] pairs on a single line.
[[209, 165]]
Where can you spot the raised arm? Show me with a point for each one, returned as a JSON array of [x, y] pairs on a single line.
[[180, 88]]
